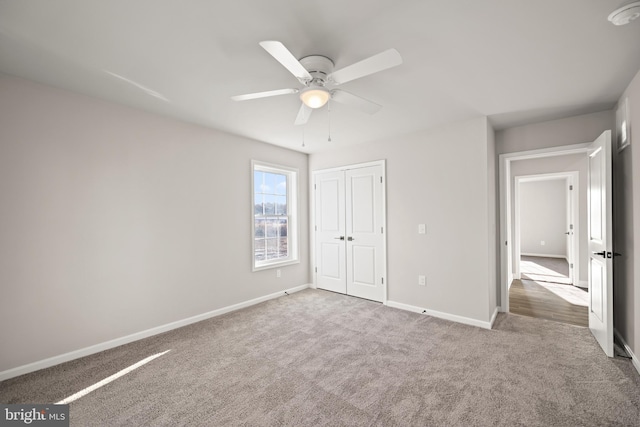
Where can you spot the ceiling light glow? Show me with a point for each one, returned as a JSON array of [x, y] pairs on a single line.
[[315, 97]]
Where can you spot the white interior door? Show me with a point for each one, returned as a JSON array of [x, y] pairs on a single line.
[[600, 234], [364, 227], [330, 232], [571, 255], [349, 231]]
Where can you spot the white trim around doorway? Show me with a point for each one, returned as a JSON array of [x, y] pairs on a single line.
[[506, 239]]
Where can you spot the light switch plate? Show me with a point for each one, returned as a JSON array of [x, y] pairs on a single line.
[[422, 229]]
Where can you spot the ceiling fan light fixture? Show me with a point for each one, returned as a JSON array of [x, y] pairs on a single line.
[[315, 97]]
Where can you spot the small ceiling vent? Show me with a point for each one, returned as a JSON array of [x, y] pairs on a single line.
[[625, 14]]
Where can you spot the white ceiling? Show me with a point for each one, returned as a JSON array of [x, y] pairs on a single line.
[[516, 61]]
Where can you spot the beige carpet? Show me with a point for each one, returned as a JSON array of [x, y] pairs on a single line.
[[318, 358]]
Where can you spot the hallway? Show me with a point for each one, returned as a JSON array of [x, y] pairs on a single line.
[[549, 295]]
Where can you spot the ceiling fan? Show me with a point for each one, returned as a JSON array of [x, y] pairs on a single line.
[[316, 73]]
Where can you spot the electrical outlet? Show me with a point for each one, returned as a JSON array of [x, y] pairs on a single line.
[[542, 243], [278, 273], [422, 229], [422, 280]]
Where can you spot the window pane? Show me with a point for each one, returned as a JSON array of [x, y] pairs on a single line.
[[269, 205], [283, 250], [284, 227], [258, 207], [259, 254], [273, 182], [272, 227], [272, 249], [281, 205], [260, 227], [267, 184], [280, 184], [272, 201]]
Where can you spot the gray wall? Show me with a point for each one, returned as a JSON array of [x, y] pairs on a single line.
[[435, 178], [626, 228], [543, 217], [114, 221], [554, 133]]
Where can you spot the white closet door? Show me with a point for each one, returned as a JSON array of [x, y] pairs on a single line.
[[330, 232], [364, 228], [349, 231]]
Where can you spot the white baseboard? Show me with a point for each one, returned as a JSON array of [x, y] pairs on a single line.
[[634, 359], [543, 255], [441, 315], [56, 360]]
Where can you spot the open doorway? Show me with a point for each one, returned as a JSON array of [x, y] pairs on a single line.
[[546, 246], [593, 161]]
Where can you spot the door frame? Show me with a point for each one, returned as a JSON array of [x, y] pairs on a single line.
[[312, 216], [506, 238], [571, 200]]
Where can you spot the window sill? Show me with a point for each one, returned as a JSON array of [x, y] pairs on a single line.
[[275, 265]]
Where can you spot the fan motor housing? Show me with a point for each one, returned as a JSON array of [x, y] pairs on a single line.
[[318, 66]]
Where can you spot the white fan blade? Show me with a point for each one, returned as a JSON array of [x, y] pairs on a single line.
[[303, 115], [382, 61], [355, 101], [264, 94], [286, 58]]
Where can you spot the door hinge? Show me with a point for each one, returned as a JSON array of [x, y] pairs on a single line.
[[316, 228], [570, 226], [316, 269], [381, 230], [570, 187], [571, 265], [315, 187], [380, 180], [383, 280]]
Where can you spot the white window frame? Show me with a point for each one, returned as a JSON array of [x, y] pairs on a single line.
[[292, 214]]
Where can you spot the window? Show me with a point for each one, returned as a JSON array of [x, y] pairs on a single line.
[[274, 225]]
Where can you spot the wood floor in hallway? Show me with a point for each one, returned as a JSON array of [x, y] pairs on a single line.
[[551, 301]]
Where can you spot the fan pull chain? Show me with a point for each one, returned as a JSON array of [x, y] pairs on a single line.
[[329, 119], [303, 136]]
